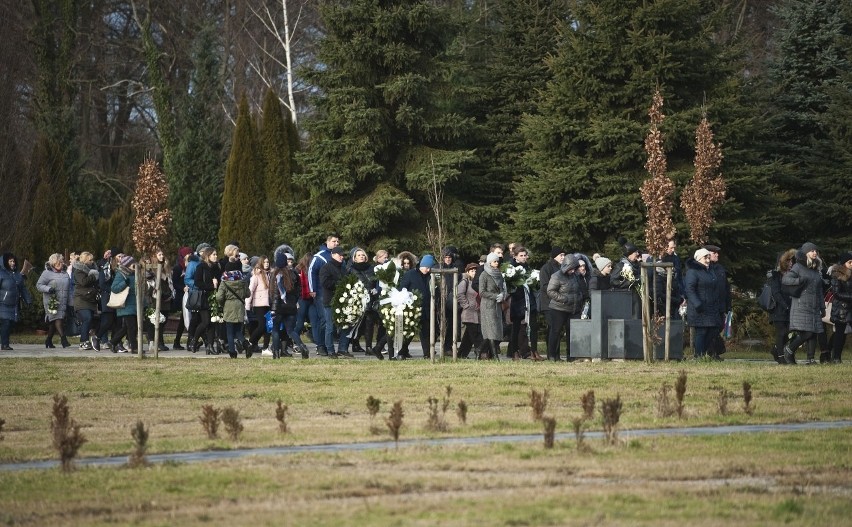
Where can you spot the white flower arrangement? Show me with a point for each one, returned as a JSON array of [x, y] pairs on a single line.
[[150, 315], [533, 280], [400, 311], [350, 301], [515, 276]]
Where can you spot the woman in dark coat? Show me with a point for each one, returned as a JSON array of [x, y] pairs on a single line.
[[807, 310], [567, 296], [703, 301], [178, 275], [84, 272], [841, 314], [206, 278], [12, 291], [780, 314]]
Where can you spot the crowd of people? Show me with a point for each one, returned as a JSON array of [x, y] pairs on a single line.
[[241, 304]]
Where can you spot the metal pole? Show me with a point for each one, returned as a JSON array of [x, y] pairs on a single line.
[[431, 349], [456, 323], [157, 328], [140, 309], [669, 272]]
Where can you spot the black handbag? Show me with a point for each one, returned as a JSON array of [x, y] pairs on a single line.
[[196, 300]]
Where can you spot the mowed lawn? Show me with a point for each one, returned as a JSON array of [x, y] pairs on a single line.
[[795, 478]]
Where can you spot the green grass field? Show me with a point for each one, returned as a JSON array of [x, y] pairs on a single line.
[[797, 478]]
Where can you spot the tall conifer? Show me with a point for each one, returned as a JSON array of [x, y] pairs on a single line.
[[277, 151], [242, 200]]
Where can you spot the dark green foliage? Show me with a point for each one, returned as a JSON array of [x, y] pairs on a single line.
[[193, 164], [811, 79], [383, 126], [278, 145], [586, 139], [243, 200]]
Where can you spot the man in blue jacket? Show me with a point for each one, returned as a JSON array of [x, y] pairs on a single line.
[[317, 262]]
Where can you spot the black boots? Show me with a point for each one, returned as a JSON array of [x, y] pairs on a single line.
[[789, 355]]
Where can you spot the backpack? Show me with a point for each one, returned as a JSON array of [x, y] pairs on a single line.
[[766, 300]]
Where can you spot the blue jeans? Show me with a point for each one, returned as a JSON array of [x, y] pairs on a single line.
[[289, 327], [234, 331], [85, 318], [5, 330], [319, 329], [308, 311]]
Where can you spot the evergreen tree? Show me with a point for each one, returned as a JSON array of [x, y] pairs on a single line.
[[811, 74], [193, 164], [277, 147], [384, 127], [242, 200], [586, 139]]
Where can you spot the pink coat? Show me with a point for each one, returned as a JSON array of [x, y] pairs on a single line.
[[258, 293]]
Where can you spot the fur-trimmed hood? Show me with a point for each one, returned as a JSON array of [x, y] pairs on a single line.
[[840, 272], [786, 259]]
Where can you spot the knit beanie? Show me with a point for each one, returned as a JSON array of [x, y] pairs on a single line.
[[602, 262], [427, 261], [126, 261], [556, 251], [808, 247]]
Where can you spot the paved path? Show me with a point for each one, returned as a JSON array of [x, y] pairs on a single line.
[[221, 455]]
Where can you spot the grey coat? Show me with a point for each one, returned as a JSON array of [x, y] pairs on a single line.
[[490, 310], [60, 282], [806, 312], [468, 302]]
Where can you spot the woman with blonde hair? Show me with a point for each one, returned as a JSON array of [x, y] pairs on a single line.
[[55, 286], [84, 273]]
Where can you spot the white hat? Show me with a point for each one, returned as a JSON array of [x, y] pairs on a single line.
[[700, 253], [601, 262]]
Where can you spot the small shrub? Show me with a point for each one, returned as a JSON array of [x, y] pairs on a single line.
[[747, 407], [67, 438], [549, 431], [722, 401], [611, 412], [140, 445], [446, 403], [2, 423], [394, 421], [435, 420], [665, 408], [579, 424], [588, 402], [461, 411], [281, 416], [233, 422], [680, 392], [373, 406], [538, 403], [210, 420]]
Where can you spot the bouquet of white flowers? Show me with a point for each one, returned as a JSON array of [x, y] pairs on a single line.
[[514, 275], [215, 310], [150, 315], [350, 301], [533, 280], [53, 305]]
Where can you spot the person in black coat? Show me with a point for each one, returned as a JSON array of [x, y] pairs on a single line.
[[808, 307], [841, 305], [206, 278], [329, 275], [704, 302], [779, 315], [419, 279], [106, 273], [717, 345]]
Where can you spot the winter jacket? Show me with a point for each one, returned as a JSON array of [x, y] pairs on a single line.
[[259, 291], [191, 266], [492, 291], [85, 286], [367, 276], [125, 278], [468, 301], [106, 274], [286, 301], [61, 285], [781, 312], [232, 297], [619, 281], [566, 293], [414, 279], [12, 289], [178, 283], [725, 288], [841, 286], [547, 270], [807, 310], [329, 275], [704, 296], [599, 282], [322, 257]]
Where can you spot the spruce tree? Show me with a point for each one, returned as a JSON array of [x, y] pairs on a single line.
[[586, 138], [811, 74], [242, 200], [383, 127]]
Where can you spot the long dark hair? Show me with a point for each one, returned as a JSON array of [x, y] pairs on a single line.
[[286, 275]]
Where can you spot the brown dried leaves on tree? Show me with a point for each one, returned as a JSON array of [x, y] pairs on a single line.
[[657, 191], [151, 214], [707, 188]]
